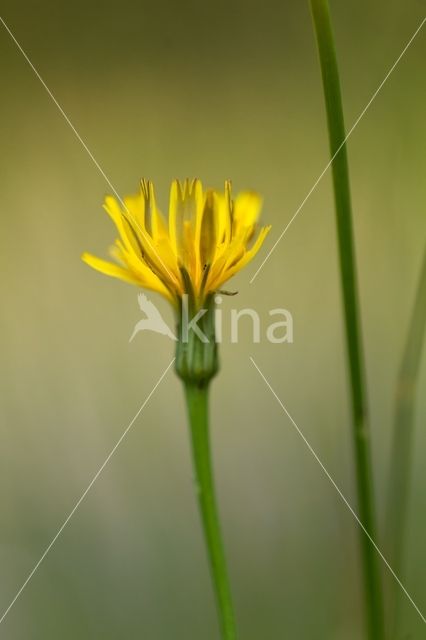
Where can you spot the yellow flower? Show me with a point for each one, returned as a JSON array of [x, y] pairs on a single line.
[[208, 238]]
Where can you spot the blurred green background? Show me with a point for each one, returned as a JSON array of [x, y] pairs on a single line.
[[217, 90]]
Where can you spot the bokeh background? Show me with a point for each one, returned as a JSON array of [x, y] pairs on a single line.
[[217, 90]]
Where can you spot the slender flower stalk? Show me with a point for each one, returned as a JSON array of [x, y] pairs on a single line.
[[361, 435], [208, 238], [197, 402], [402, 443]]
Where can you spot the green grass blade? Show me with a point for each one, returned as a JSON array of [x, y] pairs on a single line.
[[402, 439], [336, 131]]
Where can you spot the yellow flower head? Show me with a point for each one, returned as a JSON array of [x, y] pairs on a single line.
[[208, 238]]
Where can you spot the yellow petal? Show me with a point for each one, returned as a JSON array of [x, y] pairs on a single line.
[[246, 210], [174, 208], [134, 206], [125, 227], [136, 273], [135, 237], [146, 277], [209, 228], [240, 263], [109, 269], [158, 224], [225, 214]]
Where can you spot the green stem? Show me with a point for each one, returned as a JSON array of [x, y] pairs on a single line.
[[361, 436], [400, 466], [197, 402]]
